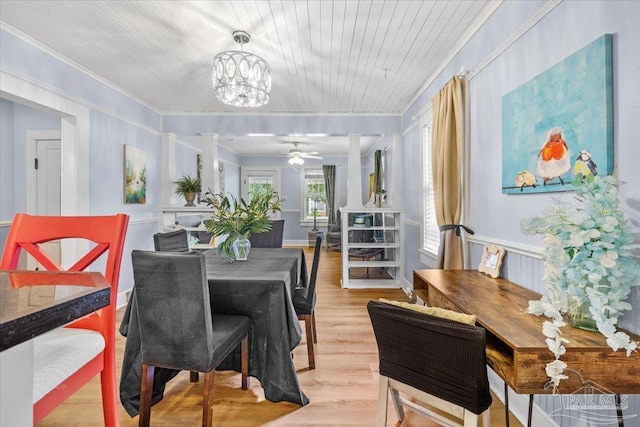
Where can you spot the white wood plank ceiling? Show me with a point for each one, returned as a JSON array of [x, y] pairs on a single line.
[[325, 56]]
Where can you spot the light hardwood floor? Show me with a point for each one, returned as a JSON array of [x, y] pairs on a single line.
[[343, 388]]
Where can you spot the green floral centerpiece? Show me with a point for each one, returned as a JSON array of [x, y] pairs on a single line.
[[589, 267], [238, 219]]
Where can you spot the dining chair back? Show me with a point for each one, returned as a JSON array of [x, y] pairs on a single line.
[[177, 328], [171, 241], [86, 346], [436, 361], [269, 239], [304, 301]]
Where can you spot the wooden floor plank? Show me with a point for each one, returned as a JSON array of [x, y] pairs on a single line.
[[343, 388]]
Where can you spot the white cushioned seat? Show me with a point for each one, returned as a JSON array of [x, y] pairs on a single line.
[[59, 353]]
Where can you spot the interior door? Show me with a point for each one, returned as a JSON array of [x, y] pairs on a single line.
[[48, 173], [256, 179]]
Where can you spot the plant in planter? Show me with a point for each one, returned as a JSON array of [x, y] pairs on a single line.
[[188, 187], [237, 219], [589, 267]]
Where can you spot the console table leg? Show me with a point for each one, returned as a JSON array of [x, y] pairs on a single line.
[[619, 412], [506, 404], [530, 415]]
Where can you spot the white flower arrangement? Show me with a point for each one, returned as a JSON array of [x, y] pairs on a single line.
[[588, 258]]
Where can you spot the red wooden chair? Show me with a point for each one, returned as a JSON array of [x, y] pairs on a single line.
[[87, 345]]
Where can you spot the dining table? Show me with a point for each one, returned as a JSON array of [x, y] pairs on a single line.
[[31, 304], [261, 288]]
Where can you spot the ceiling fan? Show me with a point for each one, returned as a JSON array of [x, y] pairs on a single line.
[[296, 155]]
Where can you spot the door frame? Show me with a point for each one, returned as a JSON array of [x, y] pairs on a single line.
[[275, 170], [32, 138]]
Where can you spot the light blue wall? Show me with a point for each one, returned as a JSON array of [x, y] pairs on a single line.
[[7, 179], [28, 60], [16, 120], [115, 120], [281, 124], [565, 29], [186, 160], [106, 155]]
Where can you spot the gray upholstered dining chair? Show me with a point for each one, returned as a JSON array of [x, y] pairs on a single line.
[[304, 301], [269, 239], [177, 328], [434, 360], [171, 241]]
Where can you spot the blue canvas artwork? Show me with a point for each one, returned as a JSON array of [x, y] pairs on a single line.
[[560, 123]]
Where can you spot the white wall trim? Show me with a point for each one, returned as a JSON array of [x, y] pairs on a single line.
[[411, 223], [9, 29], [519, 403], [32, 138], [519, 248], [413, 124], [464, 39], [77, 100], [530, 23], [144, 221]]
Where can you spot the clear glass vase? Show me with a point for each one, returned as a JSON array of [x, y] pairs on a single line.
[[241, 247], [581, 318]]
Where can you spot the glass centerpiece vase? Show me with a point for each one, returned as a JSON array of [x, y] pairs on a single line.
[[241, 247]]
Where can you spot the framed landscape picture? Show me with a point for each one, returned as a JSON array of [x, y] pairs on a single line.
[[135, 175], [560, 123]]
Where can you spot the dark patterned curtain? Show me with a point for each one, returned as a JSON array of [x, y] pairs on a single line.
[[329, 172]]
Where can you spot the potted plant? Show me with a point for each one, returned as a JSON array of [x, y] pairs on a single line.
[[188, 187], [589, 267], [237, 219]]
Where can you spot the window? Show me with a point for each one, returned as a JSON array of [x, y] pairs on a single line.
[[430, 230], [313, 196], [259, 180]]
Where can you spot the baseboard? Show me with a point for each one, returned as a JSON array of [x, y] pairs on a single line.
[[519, 403]]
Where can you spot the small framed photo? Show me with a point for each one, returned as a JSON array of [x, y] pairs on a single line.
[[491, 260]]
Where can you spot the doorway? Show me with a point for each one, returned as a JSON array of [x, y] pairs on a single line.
[[44, 183], [260, 179]]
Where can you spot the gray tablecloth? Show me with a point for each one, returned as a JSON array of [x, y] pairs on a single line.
[[260, 288]]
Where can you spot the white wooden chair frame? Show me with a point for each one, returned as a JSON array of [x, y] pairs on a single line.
[[389, 385]]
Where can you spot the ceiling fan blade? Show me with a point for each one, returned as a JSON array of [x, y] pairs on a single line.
[[307, 156]]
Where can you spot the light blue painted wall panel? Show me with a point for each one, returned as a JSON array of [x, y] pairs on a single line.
[[28, 60], [281, 124], [7, 168], [106, 154], [25, 119], [186, 160]]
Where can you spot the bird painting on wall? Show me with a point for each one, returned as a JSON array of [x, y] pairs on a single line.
[[585, 165], [524, 178], [554, 156]]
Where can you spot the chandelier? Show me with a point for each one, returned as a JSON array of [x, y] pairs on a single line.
[[296, 161], [240, 78]]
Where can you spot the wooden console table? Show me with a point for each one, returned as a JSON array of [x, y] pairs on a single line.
[[516, 348]]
